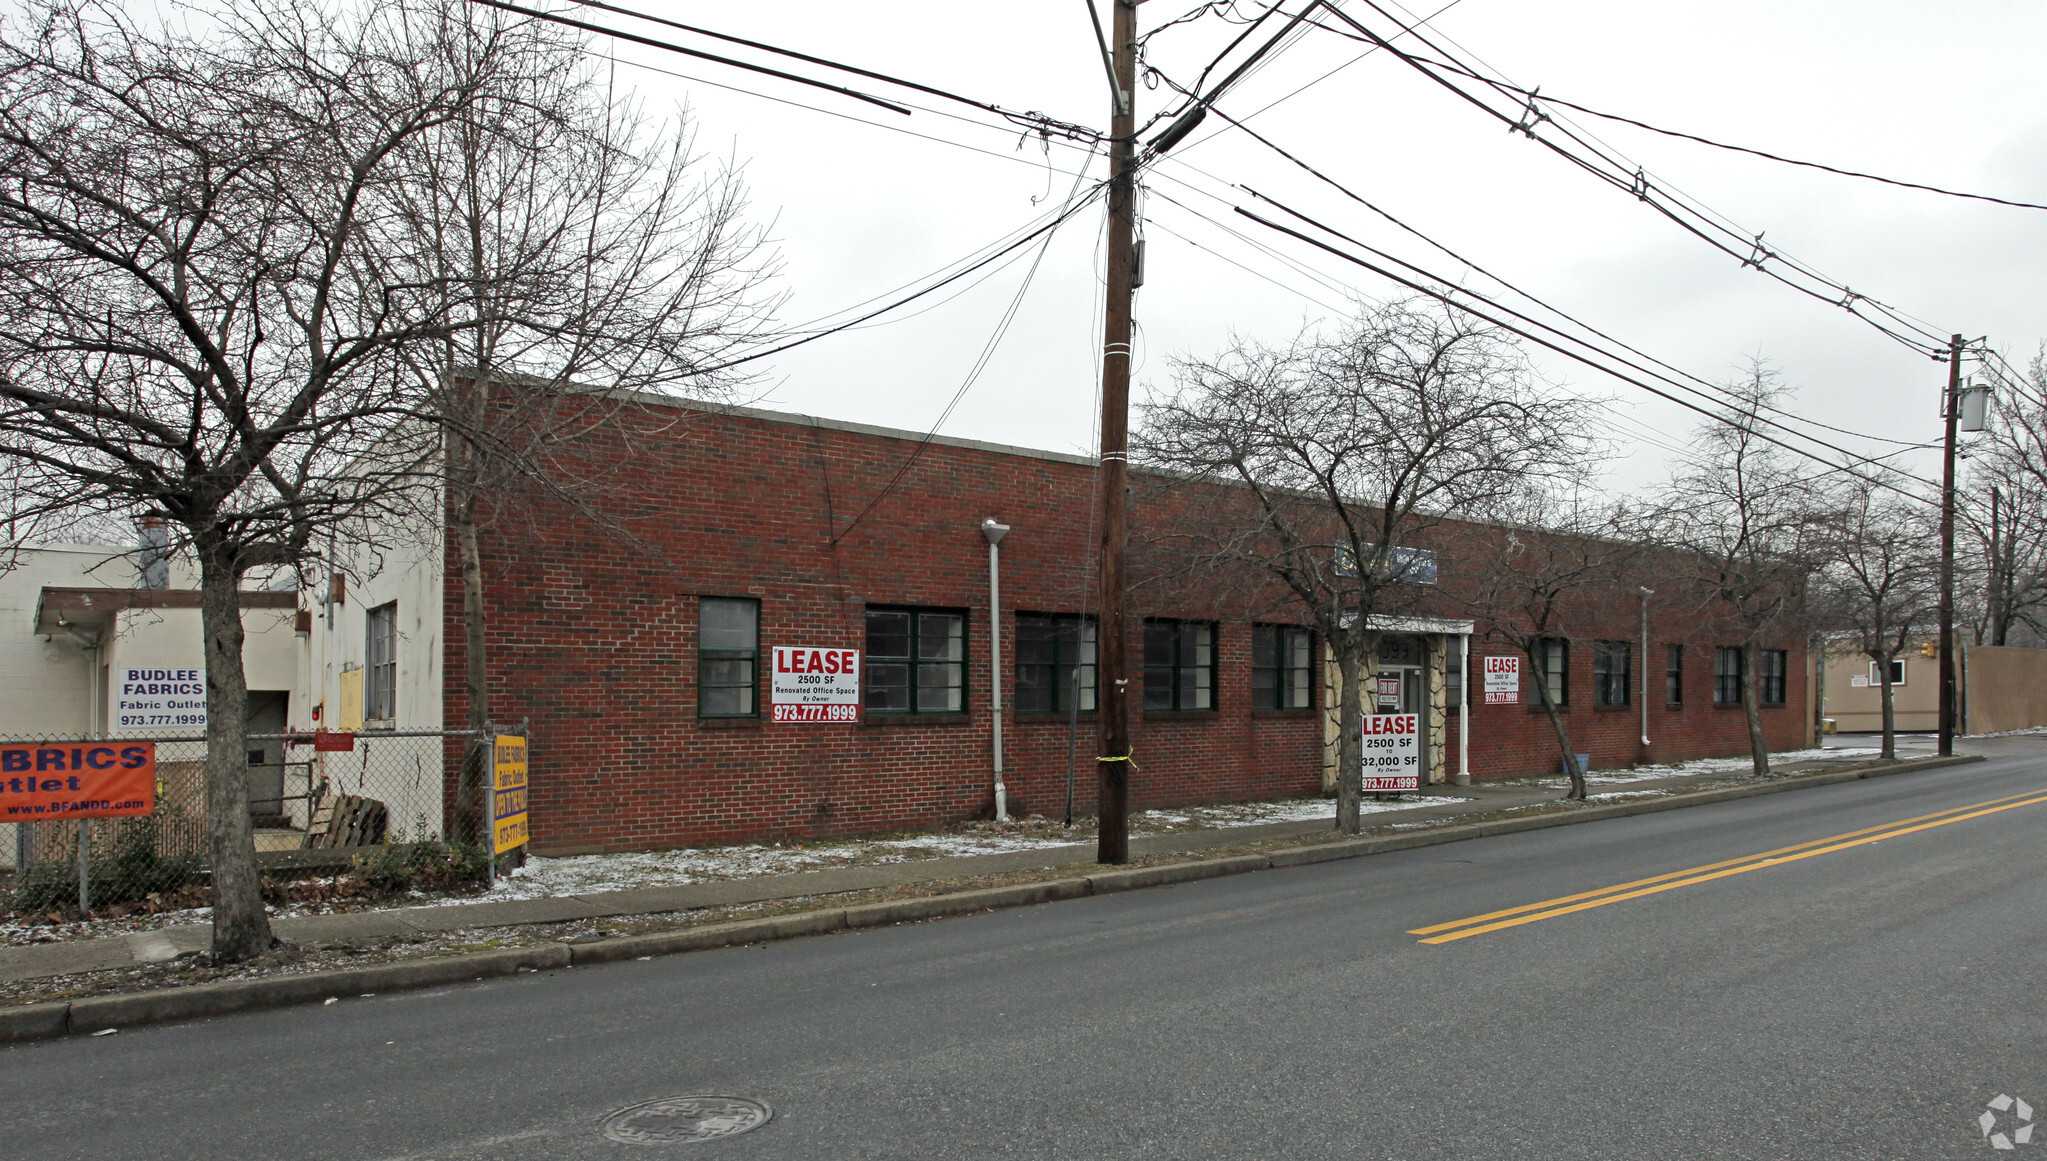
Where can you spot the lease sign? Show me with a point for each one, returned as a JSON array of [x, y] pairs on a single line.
[[1502, 680], [815, 685], [51, 780], [1393, 752], [509, 820]]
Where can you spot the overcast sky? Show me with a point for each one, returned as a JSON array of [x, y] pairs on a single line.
[[1946, 94]]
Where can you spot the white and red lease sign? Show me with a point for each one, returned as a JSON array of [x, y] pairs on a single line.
[[1502, 680], [815, 685], [1393, 752]]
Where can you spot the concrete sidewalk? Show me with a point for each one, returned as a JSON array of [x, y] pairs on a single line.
[[39, 961]]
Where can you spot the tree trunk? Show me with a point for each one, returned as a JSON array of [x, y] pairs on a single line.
[[469, 821], [1540, 677], [1890, 714], [1350, 739], [1752, 705], [241, 928]]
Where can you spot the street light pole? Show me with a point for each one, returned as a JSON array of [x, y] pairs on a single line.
[[1950, 413]]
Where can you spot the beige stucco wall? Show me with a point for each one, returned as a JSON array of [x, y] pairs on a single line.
[[59, 685], [406, 569], [2007, 689], [1859, 708]]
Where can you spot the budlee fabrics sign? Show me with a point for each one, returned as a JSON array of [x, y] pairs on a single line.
[[1393, 752], [159, 699], [816, 685], [52, 780], [1502, 680]]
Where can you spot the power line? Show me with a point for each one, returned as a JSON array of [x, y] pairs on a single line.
[[628, 61], [1056, 222], [1448, 300], [1553, 330], [649, 41], [1638, 185], [1268, 107], [1829, 466], [1031, 120], [1534, 96], [973, 375], [1469, 264]]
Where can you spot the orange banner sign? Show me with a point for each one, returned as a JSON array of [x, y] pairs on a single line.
[[42, 781]]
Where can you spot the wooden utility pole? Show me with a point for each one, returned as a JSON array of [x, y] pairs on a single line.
[[1112, 797], [1951, 410]]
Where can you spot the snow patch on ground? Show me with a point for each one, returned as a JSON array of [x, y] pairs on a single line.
[[1737, 765], [585, 874]]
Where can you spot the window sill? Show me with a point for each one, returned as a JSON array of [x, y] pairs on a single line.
[[1283, 714], [1056, 717], [1562, 709], [1612, 709], [1673, 706], [728, 723], [901, 721], [1199, 715]]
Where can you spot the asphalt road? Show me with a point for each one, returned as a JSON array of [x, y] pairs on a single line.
[[1860, 1002]]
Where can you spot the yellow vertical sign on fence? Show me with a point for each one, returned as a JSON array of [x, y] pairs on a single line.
[[508, 795]]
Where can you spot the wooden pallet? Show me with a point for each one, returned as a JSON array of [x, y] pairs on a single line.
[[346, 820]]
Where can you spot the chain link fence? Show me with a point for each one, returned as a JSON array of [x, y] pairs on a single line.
[[312, 810]]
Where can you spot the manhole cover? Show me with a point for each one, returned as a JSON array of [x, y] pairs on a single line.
[[684, 1119]]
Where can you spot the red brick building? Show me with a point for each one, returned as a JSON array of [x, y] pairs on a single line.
[[642, 668]]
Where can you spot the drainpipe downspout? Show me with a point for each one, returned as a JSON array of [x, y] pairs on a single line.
[[1646, 594], [995, 531], [1464, 713]]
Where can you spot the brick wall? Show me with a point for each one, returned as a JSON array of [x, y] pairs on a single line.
[[592, 634]]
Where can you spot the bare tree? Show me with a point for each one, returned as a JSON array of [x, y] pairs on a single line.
[[1341, 453], [1529, 577], [1750, 529], [585, 253], [207, 300], [1881, 580], [2004, 509]]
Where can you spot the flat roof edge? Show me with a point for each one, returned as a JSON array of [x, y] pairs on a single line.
[[795, 418]]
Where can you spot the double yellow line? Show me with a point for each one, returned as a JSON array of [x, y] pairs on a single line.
[[1622, 892]]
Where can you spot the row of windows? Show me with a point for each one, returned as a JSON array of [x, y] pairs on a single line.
[[1613, 681], [916, 663]]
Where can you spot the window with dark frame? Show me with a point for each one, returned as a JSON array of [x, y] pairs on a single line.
[[1179, 665], [380, 660], [1775, 662], [916, 661], [1611, 673], [1727, 675], [1052, 650], [1282, 667], [728, 657], [1553, 669], [1673, 675]]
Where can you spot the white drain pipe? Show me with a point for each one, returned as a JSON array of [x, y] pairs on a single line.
[[995, 532], [1646, 594], [1464, 713]]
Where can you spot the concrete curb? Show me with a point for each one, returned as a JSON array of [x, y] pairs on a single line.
[[46, 1021]]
